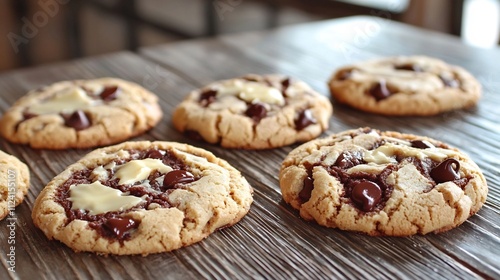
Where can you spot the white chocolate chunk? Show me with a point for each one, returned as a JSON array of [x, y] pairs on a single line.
[[385, 153], [252, 92], [137, 170], [99, 199], [68, 101]]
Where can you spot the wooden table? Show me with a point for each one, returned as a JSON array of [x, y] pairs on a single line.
[[272, 241]]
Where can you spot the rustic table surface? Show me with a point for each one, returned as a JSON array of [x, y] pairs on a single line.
[[272, 241]]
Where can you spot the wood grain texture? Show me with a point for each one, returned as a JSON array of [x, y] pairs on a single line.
[[272, 242]]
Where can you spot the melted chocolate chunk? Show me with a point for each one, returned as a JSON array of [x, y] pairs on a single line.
[[449, 82], [349, 159], [420, 144], [109, 93], [256, 111], [304, 119], [447, 170], [112, 225], [380, 91], [78, 120], [120, 227], [250, 78], [207, 97], [409, 67], [308, 184], [175, 177], [351, 180], [366, 194]]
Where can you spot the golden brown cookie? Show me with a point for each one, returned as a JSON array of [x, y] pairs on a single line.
[[141, 198], [254, 112], [405, 85], [382, 183], [81, 114], [14, 183]]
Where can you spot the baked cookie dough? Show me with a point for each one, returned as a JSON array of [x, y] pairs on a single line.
[[14, 183], [141, 198], [81, 114], [382, 183], [254, 112], [405, 85]]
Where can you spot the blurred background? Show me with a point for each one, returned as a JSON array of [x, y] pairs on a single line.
[[43, 31]]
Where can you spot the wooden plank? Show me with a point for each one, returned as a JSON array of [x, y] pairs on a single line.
[[311, 52]]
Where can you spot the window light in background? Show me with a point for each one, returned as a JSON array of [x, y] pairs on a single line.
[[481, 22]]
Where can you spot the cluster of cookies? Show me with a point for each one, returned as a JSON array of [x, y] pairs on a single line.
[[148, 197]]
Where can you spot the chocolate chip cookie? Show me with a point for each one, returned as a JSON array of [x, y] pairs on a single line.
[[141, 198], [382, 183], [81, 114], [254, 112], [401, 86], [14, 183]]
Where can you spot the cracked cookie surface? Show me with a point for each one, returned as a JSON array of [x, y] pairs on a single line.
[[14, 183], [382, 183], [81, 114], [141, 198], [254, 112], [405, 85]]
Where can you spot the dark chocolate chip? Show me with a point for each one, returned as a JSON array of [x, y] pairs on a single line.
[[380, 91], [120, 226], [27, 115], [250, 78], [409, 67], [155, 154], [447, 170], [367, 195], [348, 159], [449, 82], [207, 97], [305, 193], [109, 93], [343, 74], [285, 84], [175, 177], [78, 120], [192, 134], [256, 111], [420, 144], [304, 119]]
